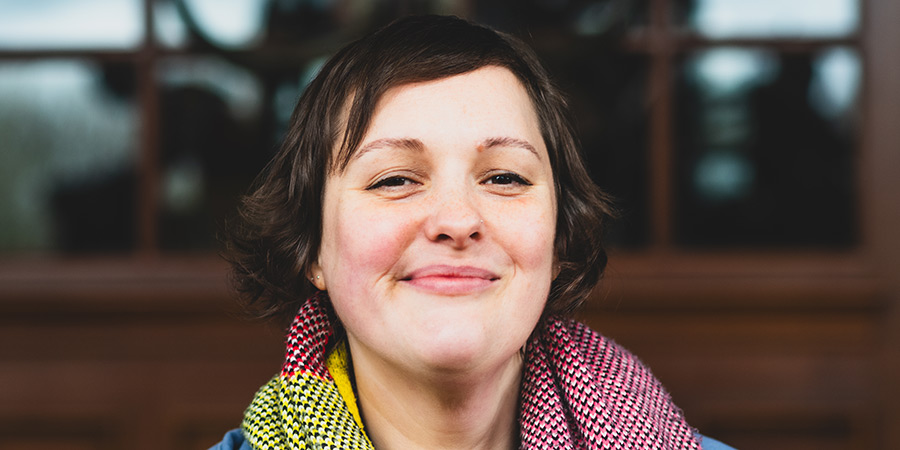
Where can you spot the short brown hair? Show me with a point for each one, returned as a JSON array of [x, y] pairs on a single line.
[[276, 237]]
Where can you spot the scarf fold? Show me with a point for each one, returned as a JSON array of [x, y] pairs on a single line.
[[579, 391]]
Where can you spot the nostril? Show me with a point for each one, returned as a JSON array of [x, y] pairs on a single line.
[[454, 226]]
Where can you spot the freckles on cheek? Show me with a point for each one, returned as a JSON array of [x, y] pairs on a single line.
[[370, 244]]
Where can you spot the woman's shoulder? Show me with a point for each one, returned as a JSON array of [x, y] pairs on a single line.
[[233, 440], [707, 443]]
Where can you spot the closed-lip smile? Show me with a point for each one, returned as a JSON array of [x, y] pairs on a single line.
[[450, 280]]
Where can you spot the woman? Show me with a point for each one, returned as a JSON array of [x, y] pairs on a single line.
[[431, 219]]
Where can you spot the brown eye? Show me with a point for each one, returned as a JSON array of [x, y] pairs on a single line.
[[390, 182], [507, 178]]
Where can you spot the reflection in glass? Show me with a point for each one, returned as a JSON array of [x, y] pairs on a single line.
[[228, 23], [67, 179], [38, 24], [720, 19], [169, 28], [555, 19], [213, 141], [836, 84], [765, 148], [607, 96], [257, 24]]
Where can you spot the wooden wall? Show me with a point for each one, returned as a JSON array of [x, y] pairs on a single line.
[[140, 356], [784, 358], [151, 355]]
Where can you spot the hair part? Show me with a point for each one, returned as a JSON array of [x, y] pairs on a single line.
[[277, 235]]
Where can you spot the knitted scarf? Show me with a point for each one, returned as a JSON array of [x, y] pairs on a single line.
[[579, 391]]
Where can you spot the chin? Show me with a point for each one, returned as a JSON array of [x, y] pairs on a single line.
[[461, 350]]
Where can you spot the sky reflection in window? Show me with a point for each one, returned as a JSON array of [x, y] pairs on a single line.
[[38, 24], [719, 19]]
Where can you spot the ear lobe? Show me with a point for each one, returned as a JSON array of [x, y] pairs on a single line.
[[316, 277], [557, 268]]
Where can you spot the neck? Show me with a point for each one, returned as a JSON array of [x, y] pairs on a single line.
[[438, 411]]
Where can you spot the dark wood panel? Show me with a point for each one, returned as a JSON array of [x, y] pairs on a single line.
[[216, 339], [59, 433], [164, 375], [122, 404], [762, 379]]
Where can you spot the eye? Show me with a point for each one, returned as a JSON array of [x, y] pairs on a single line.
[[507, 178], [391, 182]]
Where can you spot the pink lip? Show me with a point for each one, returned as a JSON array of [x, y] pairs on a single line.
[[450, 280]]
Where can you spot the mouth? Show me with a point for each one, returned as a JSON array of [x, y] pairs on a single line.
[[450, 280]]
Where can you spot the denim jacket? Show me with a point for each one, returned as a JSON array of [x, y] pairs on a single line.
[[234, 440]]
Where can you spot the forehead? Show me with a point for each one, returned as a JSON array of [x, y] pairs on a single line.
[[490, 88], [489, 100]]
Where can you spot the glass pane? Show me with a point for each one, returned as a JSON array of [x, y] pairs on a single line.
[[546, 19], [228, 23], [243, 24], [38, 24], [67, 156], [765, 148], [218, 128], [719, 19], [607, 94]]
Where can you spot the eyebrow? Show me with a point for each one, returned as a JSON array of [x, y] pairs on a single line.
[[402, 143], [418, 146], [505, 141]]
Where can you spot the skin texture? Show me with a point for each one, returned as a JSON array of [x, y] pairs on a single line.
[[437, 253]]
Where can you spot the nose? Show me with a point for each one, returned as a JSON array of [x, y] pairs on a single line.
[[454, 219]]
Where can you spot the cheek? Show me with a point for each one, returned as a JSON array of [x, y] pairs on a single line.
[[528, 233], [367, 242]]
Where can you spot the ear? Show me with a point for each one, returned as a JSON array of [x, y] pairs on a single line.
[[316, 276], [557, 267]]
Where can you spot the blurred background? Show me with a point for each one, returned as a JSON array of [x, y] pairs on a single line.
[[752, 147]]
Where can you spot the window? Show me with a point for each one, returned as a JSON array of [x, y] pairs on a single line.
[[716, 124]]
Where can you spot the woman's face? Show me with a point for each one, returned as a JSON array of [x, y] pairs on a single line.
[[437, 247]]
